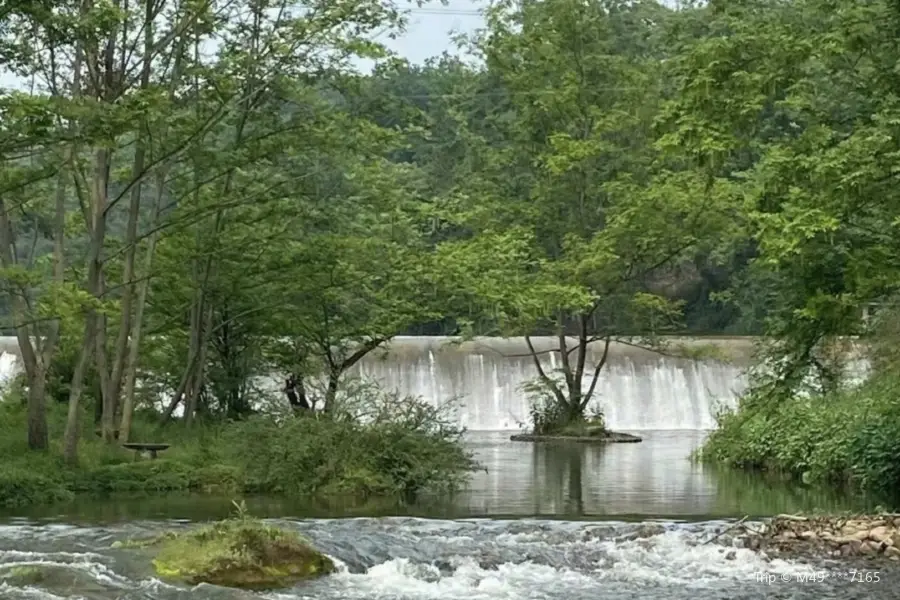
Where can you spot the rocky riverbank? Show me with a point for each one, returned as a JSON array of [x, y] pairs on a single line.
[[871, 536]]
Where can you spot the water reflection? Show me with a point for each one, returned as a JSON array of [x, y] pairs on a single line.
[[654, 478]]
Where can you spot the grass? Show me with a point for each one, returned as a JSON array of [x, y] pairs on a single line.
[[296, 456]]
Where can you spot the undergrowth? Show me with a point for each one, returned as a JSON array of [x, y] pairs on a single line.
[[265, 454], [846, 438]]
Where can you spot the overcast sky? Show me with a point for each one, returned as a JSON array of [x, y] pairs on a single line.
[[428, 33]]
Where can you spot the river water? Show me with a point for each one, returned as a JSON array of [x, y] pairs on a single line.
[[541, 522]]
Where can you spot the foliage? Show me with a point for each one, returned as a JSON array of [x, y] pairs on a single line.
[[391, 457], [573, 214], [181, 224], [849, 443]]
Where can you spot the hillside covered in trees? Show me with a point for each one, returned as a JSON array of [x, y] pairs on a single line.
[[196, 193]]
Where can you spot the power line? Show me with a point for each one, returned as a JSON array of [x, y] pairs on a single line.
[[502, 93], [449, 11]]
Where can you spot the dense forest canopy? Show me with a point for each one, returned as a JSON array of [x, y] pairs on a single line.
[[194, 193]]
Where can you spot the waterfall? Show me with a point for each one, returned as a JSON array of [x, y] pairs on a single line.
[[9, 366], [637, 389]]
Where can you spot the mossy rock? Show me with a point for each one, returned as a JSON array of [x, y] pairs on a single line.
[[24, 575], [239, 553]]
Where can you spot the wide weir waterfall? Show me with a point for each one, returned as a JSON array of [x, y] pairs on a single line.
[[638, 389]]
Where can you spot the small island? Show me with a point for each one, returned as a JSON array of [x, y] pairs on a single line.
[[240, 553], [581, 431]]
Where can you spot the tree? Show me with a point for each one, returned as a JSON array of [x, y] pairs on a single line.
[[168, 155], [575, 211], [803, 91]]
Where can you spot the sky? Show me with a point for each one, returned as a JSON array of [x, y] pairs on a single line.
[[428, 32]]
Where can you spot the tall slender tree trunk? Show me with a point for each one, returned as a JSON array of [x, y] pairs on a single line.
[[120, 355], [73, 425], [137, 326], [35, 367]]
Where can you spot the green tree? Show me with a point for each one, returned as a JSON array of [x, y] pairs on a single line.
[[575, 211], [797, 98]]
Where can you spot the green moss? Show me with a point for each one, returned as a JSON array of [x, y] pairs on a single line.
[[25, 575], [241, 553]]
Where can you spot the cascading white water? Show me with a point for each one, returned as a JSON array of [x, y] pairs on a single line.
[[9, 366], [637, 389]]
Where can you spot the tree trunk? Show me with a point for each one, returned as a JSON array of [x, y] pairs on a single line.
[[70, 439], [137, 330], [197, 379], [37, 411], [35, 371], [121, 353]]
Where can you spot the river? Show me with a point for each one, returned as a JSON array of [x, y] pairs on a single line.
[[541, 522]]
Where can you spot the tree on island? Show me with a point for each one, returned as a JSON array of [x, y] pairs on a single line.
[[574, 216]]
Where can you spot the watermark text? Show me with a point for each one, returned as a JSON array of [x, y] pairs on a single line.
[[818, 576]]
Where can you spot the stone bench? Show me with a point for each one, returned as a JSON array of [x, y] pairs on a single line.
[[140, 447]]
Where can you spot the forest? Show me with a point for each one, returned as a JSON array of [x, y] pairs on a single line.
[[195, 194]]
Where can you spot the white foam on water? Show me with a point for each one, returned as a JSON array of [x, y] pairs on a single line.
[[8, 592], [12, 556], [403, 578], [675, 559], [97, 571]]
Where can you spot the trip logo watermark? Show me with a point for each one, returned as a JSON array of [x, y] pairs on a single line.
[[820, 576]]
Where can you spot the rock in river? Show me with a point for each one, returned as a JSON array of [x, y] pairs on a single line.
[[240, 553]]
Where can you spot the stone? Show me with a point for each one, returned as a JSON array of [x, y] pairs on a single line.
[[860, 535], [787, 535], [851, 548], [808, 536], [869, 547], [731, 555], [649, 530], [879, 534], [240, 553]]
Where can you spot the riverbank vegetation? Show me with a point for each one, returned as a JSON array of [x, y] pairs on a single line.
[[397, 455], [195, 196]]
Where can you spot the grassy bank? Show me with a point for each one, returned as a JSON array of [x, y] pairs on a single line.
[[263, 455], [849, 438]]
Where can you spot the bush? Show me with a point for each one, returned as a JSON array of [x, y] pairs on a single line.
[[379, 445], [306, 455], [20, 487], [846, 438]]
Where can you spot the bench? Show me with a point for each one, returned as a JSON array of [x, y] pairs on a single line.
[[151, 448]]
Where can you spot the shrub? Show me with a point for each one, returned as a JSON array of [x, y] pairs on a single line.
[[20, 487], [847, 437], [377, 444]]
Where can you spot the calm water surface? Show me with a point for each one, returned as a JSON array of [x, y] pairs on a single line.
[[542, 523]]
